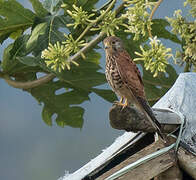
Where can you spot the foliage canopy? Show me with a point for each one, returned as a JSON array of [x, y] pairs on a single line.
[[61, 38]]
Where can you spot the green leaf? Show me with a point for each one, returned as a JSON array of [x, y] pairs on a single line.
[[7, 63], [16, 34], [64, 105], [19, 48], [47, 116], [84, 77], [155, 88], [38, 8], [93, 56], [29, 61], [159, 30], [16, 18], [72, 116], [39, 30], [87, 5], [12, 64], [52, 33], [51, 5], [105, 94]]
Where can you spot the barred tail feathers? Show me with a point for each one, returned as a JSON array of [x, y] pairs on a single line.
[[150, 114]]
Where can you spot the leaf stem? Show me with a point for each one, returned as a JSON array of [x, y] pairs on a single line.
[[152, 14]]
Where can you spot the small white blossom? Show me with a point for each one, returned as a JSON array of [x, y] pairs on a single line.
[[154, 42]]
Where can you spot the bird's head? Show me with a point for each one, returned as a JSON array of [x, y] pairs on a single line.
[[113, 44]]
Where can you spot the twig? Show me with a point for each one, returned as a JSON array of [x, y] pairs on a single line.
[[31, 84], [88, 46], [48, 77], [95, 21], [152, 14], [96, 39]]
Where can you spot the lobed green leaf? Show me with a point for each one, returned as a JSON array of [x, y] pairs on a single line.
[[16, 18], [38, 8], [159, 30]]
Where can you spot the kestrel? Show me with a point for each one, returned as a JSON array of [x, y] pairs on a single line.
[[124, 77]]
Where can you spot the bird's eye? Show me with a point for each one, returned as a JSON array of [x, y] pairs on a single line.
[[113, 42]]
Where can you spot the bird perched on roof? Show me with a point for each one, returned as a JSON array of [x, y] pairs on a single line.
[[124, 77]]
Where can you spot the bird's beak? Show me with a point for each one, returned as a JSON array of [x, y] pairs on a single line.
[[106, 46]]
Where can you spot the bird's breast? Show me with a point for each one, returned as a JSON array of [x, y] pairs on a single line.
[[112, 75]]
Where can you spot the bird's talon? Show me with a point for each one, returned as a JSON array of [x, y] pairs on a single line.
[[115, 102], [122, 105], [118, 103]]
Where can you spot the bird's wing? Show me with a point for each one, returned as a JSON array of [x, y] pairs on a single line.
[[130, 74]]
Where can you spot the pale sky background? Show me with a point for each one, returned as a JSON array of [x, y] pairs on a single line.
[[29, 149]]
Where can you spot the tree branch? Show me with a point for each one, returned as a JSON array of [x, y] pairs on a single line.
[[130, 119], [148, 169], [152, 14], [96, 20], [28, 85], [187, 161]]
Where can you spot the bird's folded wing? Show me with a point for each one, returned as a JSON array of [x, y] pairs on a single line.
[[130, 74]]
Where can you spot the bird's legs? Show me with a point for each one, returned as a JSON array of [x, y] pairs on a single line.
[[123, 102], [120, 103]]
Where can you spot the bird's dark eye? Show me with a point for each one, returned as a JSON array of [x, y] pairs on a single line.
[[113, 42]]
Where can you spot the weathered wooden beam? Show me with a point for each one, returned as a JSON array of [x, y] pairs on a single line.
[[187, 162], [130, 119], [173, 173], [162, 167], [147, 170]]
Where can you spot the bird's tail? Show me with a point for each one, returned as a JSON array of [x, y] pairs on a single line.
[[150, 115]]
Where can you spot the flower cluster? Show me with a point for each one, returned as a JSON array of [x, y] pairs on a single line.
[[187, 31], [57, 55], [109, 23], [80, 17], [192, 3], [177, 22], [71, 45], [138, 17], [155, 58]]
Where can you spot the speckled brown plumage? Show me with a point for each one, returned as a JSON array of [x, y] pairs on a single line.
[[124, 77]]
